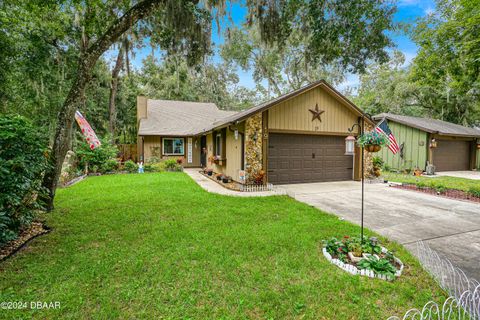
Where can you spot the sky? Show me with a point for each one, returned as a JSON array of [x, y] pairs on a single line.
[[407, 12]]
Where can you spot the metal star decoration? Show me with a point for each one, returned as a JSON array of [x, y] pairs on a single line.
[[316, 113]]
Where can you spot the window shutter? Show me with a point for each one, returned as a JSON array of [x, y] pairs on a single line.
[[224, 143]]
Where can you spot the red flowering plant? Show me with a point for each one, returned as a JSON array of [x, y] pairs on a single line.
[[339, 248], [336, 248]]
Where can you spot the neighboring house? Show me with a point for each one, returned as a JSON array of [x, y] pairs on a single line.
[[448, 146], [295, 138]]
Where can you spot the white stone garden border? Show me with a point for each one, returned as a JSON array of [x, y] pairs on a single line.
[[363, 272]]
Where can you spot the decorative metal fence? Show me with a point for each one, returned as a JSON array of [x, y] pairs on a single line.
[[464, 300], [256, 188]]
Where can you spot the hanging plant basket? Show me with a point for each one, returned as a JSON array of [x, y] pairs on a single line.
[[372, 141], [373, 147]]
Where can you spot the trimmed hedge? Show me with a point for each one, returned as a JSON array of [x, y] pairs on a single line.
[[23, 160]]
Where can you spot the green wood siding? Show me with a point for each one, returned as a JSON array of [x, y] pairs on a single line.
[[415, 148]]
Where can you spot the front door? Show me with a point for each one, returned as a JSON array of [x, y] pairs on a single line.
[[203, 151]]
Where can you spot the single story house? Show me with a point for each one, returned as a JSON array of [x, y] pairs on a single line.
[[448, 146], [298, 137]]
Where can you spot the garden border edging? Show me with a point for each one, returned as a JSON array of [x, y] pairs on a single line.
[[363, 272]]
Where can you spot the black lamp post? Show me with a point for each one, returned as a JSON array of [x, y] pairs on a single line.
[[350, 150]]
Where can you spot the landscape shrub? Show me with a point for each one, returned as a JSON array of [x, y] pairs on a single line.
[[377, 162], [95, 159], [109, 165], [23, 160], [130, 166], [172, 165], [154, 167], [152, 160], [474, 191]]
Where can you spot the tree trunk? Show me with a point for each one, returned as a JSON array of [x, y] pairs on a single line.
[[113, 93], [63, 134], [85, 66]]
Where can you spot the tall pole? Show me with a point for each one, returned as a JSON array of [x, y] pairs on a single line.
[[363, 174]]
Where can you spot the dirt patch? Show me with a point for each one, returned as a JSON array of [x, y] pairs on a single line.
[[34, 230], [449, 193]]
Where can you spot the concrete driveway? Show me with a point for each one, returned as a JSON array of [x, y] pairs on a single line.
[[475, 175], [450, 227]]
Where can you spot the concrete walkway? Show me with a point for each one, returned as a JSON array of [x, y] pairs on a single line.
[[450, 227], [475, 175], [214, 187]]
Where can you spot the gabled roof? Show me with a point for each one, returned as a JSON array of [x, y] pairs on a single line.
[[264, 106], [431, 125], [179, 118], [182, 118]]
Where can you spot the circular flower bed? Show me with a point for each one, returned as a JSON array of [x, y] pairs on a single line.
[[367, 258]]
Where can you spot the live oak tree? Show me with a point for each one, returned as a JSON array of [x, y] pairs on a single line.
[[283, 69], [172, 79], [447, 67], [101, 25], [345, 32], [317, 39]]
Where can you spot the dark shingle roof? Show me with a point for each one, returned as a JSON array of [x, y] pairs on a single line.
[[179, 118], [431, 125], [183, 118]]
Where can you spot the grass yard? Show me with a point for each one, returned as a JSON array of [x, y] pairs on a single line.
[[443, 181], [159, 246]]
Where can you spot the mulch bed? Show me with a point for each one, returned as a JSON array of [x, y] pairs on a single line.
[[450, 193], [232, 185], [36, 229]]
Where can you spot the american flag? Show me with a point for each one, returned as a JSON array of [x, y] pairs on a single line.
[[383, 128]]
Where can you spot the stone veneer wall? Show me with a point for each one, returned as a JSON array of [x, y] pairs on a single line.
[[253, 148], [368, 173]]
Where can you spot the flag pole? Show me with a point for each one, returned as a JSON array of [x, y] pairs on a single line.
[[363, 175]]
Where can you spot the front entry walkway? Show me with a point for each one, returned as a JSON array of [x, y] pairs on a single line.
[[213, 187], [451, 227]]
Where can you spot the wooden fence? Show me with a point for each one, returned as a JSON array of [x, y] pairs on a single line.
[[127, 152]]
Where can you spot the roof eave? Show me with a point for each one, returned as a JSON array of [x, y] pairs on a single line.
[[293, 95]]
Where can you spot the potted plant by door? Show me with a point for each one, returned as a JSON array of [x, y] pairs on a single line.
[[209, 172], [226, 179], [372, 141]]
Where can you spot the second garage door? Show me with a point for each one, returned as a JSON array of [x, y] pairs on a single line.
[[295, 158], [450, 155]]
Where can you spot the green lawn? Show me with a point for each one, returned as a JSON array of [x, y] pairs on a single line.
[[444, 181], [158, 246]]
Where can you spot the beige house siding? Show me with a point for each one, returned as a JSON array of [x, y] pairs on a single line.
[[217, 168], [152, 146], [294, 115], [234, 155]]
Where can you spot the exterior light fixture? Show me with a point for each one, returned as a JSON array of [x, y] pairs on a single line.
[[350, 145], [433, 143]]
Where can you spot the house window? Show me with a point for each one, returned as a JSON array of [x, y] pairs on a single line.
[[173, 146], [218, 145]]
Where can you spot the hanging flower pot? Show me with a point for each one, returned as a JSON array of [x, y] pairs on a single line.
[[373, 147], [372, 141]]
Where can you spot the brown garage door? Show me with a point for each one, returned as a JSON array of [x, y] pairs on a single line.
[[295, 158], [451, 155]]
